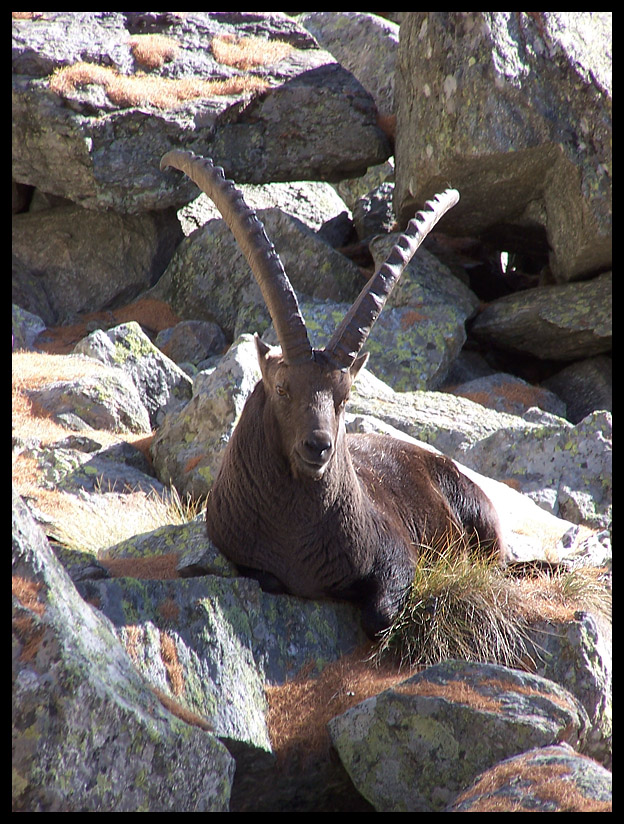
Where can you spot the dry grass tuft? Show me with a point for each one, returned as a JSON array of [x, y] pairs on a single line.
[[145, 90], [558, 594], [151, 51], [30, 634], [456, 691], [458, 607], [470, 609], [27, 593], [248, 52], [82, 525], [169, 656]]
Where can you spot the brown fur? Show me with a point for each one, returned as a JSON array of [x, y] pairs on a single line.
[[349, 527], [297, 503]]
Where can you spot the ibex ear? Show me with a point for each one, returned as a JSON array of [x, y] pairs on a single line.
[[265, 353], [263, 348], [357, 364]]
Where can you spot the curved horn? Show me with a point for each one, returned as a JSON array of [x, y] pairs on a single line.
[[351, 335], [263, 260]]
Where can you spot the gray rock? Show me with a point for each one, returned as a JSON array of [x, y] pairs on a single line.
[[26, 328], [188, 447], [585, 387], [84, 260], [88, 732], [209, 278], [191, 340], [407, 350], [311, 202], [112, 143], [108, 400], [355, 188], [426, 281], [74, 470], [507, 393], [544, 780], [161, 384], [419, 333], [190, 638], [566, 469], [373, 213], [579, 655], [564, 322], [449, 423], [515, 108], [365, 44], [415, 746], [467, 366]]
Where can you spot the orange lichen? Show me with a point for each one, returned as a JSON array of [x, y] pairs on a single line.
[[411, 318], [190, 465], [181, 712]]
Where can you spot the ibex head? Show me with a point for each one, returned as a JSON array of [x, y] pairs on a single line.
[[306, 389], [307, 403]]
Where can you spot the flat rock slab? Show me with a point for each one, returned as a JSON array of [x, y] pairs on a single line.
[[565, 322], [95, 134]]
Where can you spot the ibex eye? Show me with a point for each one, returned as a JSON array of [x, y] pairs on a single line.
[[281, 391]]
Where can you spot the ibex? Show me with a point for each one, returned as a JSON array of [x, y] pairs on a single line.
[[299, 504]]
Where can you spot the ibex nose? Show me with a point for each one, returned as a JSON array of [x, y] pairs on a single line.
[[318, 446]]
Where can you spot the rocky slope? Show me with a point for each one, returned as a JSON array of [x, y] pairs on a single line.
[[148, 675]]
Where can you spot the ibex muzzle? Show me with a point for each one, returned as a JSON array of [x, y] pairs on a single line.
[[298, 503]]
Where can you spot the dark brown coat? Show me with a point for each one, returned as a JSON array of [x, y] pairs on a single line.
[[299, 504]]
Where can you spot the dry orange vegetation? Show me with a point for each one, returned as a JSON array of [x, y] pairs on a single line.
[[153, 50], [248, 52], [153, 315], [31, 370], [147, 90], [300, 709], [548, 782]]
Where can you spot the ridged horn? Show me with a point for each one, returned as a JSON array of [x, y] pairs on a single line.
[[252, 239], [349, 338]]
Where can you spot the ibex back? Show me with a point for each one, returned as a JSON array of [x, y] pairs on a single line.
[[298, 503]]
